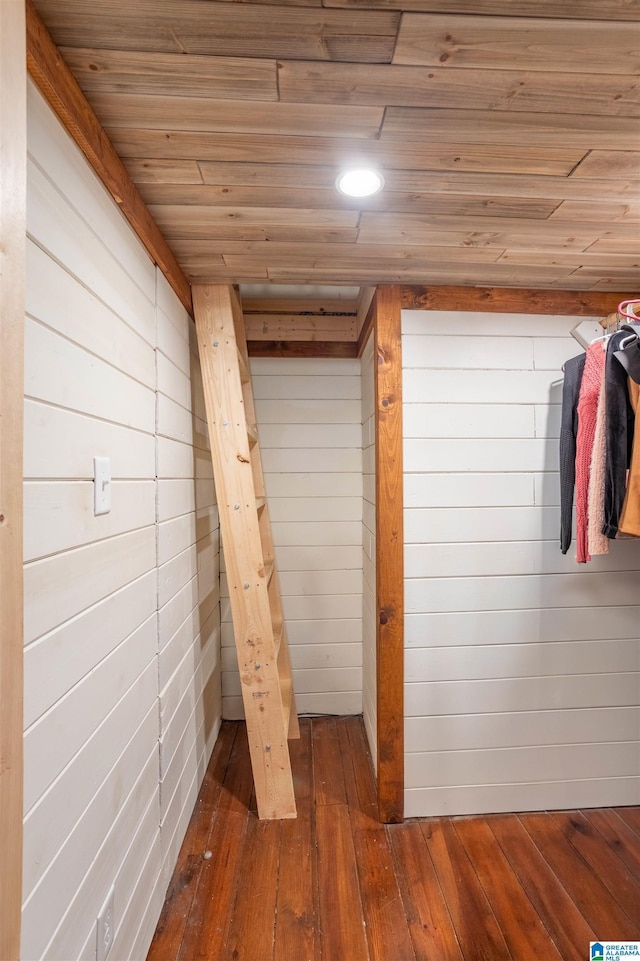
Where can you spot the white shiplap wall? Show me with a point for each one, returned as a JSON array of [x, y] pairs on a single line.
[[309, 424], [111, 759], [369, 620], [521, 667], [188, 576]]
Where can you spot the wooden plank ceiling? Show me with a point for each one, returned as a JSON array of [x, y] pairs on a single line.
[[508, 134]]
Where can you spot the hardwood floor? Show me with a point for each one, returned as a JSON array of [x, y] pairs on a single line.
[[335, 885]]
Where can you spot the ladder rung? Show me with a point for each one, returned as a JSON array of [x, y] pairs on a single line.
[[269, 568], [245, 376], [252, 434], [277, 635], [286, 688], [260, 503]]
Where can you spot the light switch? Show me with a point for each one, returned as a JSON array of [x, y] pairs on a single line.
[[101, 485]]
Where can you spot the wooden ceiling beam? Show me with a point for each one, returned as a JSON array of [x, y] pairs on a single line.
[[512, 300], [54, 79]]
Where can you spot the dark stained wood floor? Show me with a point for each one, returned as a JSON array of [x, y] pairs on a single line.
[[335, 885]]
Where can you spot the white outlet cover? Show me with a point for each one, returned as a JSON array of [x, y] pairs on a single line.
[[105, 927]]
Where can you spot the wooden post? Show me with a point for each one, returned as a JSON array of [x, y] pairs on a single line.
[[387, 357], [13, 160]]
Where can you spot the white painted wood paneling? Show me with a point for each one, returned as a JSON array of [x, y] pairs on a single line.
[[523, 764], [494, 799], [61, 444], [60, 587], [473, 524], [76, 181], [52, 821], [311, 445], [84, 254], [316, 385], [468, 420], [508, 557], [522, 668], [493, 386], [318, 485], [471, 490], [188, 578], [59, 514], [522, 694], [468, 353], [97, 388], [78, 867], [525, 729], [59, 301], [547, 419], [537, 590], [110, 371], [51, 743], [521, 660], [302, 410], [521, 627], [461, 323]]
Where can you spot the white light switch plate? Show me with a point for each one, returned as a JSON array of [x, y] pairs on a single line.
[[101, 485]]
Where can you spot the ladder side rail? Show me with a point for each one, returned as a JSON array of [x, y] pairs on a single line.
[[246, 575]]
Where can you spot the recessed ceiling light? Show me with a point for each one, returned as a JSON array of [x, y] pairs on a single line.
[[360, 182]]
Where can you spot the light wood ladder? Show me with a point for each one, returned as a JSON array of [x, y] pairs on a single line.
[[256, 606]]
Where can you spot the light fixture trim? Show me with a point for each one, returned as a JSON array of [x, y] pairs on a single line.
[[360, 182]]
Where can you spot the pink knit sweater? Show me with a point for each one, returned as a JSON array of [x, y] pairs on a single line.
[[587, 410]]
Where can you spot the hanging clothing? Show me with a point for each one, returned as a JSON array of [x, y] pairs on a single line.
[[573, 370], [597, 542], [592, 379], [629, 353], [619, 435], [630, 516]]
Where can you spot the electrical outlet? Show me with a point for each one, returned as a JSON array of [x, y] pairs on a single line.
[[105, 927]]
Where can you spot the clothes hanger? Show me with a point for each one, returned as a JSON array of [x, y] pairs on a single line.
[[628, 308]]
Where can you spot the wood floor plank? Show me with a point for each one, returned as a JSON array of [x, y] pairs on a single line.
[[342, 924], [615, 829], [296, 927], [603, 861], [477, 930], [173, 919], [631, 816], [301, 763], [237, 786], [561, 917], [386, 927], [360, 786], [336, 885], [208, 923], [252, 930], [601, 911], [520, 923], [428, 918], [327, 765], [210, 916]]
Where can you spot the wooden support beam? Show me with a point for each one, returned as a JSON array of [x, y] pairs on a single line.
[[512, 300], [367, 326], [52, 75], [365, 299], [302, 348], [387, 356], [13, 193]]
